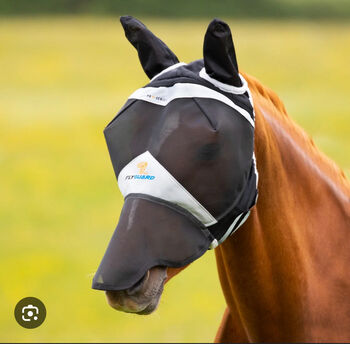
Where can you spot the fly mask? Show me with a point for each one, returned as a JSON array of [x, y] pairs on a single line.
[[182, 149]]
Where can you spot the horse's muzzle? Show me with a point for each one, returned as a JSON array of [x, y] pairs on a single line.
[[143, 297], [150, 233]]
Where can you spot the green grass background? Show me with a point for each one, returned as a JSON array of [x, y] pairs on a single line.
[[62, 80]]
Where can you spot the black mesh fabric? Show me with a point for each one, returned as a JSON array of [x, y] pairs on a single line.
[[209, 153], [150, 233]]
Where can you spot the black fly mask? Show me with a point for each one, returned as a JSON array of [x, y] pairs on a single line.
[[182, 149]]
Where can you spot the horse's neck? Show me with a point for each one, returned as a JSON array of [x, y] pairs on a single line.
[[286, 271]]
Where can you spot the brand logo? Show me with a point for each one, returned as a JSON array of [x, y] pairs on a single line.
[[142, 172], [142, 167], [157, 98]]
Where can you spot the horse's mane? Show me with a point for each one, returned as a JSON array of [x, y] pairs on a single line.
[[264, 94]]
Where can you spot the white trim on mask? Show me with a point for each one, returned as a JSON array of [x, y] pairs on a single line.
[[255, 170], [231, 229], [164, 95], [176, 65], [225, 87], [145, 175]]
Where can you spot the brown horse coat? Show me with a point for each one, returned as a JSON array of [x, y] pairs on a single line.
[[286, 273]]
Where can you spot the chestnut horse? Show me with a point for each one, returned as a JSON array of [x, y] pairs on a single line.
[[286, 273]]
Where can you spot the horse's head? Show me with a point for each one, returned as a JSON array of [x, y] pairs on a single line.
[[182, 150]]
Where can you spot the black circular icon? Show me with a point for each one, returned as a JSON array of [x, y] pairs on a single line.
[[30, 312]]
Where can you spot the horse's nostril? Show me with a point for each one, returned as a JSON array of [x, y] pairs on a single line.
[[138, 285]]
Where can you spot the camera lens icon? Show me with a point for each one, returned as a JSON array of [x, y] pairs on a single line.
[[30, 312]]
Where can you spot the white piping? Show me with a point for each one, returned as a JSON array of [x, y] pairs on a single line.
[[225, 87], [164, 95], [176, 65], [255, 170], [229, 231]]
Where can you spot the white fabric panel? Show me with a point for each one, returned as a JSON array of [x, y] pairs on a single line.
[[225, 87], [164, 95], [144, 174]]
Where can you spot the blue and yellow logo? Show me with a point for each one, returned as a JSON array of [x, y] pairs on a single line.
[[142, 172]]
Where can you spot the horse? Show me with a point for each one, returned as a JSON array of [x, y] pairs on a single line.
[[285, 273]]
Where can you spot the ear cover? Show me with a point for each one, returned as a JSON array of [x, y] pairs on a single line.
[[219, 54], [154, 55]]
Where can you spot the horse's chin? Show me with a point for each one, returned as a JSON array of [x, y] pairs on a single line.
[[152, 306], [143, 297]]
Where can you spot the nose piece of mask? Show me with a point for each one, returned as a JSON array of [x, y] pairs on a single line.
[[151, 232]]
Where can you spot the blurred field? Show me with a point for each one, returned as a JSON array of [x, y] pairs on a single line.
[[61, 81]]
